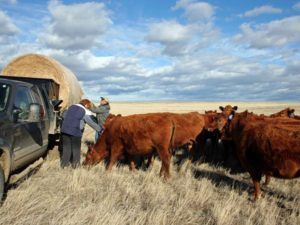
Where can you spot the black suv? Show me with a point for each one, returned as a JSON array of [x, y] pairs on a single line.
[[27, 117]]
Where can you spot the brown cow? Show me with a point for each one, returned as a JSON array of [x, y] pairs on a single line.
[[149, 157], [185, 129], [268, 146], [215, 154], [287, 112], [189, 130], [134, 135]]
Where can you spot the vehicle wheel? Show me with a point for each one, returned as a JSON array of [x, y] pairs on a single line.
[[2, 184]]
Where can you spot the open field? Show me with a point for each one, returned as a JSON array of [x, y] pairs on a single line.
[[195, 194]]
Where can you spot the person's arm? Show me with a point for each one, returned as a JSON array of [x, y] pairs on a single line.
[[91, 123], [64, 114], [99, 109]]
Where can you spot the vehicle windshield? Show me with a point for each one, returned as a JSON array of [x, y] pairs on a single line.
[[4, 96]]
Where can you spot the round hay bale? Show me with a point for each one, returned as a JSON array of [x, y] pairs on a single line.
[[40, 66]]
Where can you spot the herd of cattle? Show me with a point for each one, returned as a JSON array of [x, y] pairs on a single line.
[[264, 145]]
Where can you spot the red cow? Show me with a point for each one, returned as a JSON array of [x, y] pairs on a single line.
[[141, 134], [268, 146], [133, 135], [288, 113], [215, 154], [189, 130]]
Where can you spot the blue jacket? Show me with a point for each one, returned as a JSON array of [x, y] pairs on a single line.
[[75, 119]]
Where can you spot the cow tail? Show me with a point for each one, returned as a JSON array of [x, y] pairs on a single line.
[[172, 139]]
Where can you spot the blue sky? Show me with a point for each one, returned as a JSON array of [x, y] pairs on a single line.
[[142, 50]]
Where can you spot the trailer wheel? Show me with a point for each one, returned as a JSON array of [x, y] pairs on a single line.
[[2, 184]]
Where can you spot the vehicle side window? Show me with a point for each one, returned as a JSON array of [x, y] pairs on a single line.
[[39, 100], [22, 101], [4, 95]]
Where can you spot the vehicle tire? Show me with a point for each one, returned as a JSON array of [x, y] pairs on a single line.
[[2, 184]]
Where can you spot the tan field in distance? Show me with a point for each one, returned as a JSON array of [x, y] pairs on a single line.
[[199, 193], [183, 107]]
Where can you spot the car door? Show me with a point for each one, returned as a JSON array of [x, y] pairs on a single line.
[[28, 139], [44, 123]]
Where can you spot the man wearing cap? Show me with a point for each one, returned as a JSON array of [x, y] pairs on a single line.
[[102, 112]]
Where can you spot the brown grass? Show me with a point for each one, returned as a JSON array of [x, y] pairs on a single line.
[[195, 194]]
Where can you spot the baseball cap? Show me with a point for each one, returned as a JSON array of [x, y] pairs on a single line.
[[105, 98]]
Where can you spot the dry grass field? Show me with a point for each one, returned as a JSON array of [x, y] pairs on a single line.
[[195, 194]]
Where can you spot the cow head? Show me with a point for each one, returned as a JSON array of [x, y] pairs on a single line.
[[93, 157], [225, 118], [211, 120], [288, 113]]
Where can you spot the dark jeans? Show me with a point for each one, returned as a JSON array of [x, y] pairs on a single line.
[[71, 151]]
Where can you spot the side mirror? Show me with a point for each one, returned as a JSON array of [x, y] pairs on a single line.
[[56, 104], [34, 112]]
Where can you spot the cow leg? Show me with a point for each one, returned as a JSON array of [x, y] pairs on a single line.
[[132, 164], [114, 155], [165, 162], [111, 163], [268, 179], [150, 160], [195, 151], [256, 177]]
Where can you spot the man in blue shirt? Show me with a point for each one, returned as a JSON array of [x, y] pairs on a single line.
[[74, 120]]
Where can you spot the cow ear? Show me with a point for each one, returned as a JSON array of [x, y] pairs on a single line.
[[221, 108], [235, 107]]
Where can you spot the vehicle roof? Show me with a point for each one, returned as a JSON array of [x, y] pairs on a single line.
[[15, 82]]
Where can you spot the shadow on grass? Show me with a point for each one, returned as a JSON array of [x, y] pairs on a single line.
[[240, 186]]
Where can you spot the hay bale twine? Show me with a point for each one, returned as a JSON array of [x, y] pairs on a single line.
[[40, 66]]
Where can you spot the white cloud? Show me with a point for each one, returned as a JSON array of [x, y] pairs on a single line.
[[178, 39], [172, 35], [170, 32], [7, 28], [115, 79], [266, 9], [276, 33], [195, 10], [202, 66], [297, 6], [76, 26]]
